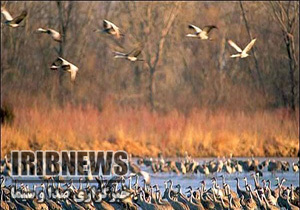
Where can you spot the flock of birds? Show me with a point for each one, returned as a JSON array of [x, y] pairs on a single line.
[[110, 28], [188, 165], [225, 165], [117, 194]]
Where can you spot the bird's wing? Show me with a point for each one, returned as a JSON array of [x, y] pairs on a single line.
[[107, 24], [73, 75], [208, 28], [119, 53], [197, 29], [6, 14], [249, 46], [146, 176], [66, 67], [136, 52], [116, 28], [64, 61], [58, 62], [52, 31], [192, 35], [234, 45], [235, 56], [19, 18]]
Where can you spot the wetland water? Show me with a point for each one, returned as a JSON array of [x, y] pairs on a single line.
[[193, 180]]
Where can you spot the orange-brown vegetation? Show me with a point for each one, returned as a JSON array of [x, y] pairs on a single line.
[[201, 132]]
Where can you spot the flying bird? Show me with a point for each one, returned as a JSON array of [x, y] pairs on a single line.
[[131, 56], [242, 53], [201, 34], [62, 64], [13, 22], [110, 28], [54, 34]]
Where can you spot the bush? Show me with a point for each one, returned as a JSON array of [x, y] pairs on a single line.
[[7, 115]]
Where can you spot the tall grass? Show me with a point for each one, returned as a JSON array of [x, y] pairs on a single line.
[[144, 133]]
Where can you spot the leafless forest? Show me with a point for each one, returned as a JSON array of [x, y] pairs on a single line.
[[187, 95]]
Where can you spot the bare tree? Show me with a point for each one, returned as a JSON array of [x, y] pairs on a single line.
[[260, 80], [154, 55], [64, 14], [286, 15]]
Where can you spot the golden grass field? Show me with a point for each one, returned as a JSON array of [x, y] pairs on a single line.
[[143, 133]]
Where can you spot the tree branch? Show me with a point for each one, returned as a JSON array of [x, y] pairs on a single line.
[[254, 49], [164, 33]]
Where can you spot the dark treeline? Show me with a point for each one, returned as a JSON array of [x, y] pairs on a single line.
[[178, 72]]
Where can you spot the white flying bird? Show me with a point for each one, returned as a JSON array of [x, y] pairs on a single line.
[[132, 56], [54, 34], [62, 64], [242, 53], [13, 22], [199, 33], [110, 28]]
